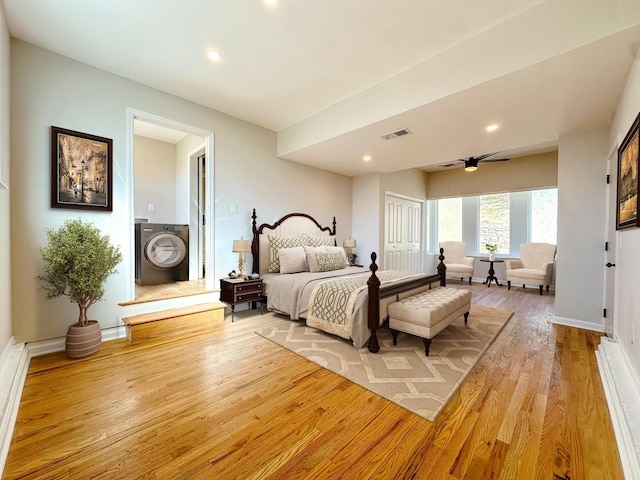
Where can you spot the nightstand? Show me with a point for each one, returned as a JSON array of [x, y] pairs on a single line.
[[237, 290]]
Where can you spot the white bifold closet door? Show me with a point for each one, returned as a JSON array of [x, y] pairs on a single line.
[[403, 233]]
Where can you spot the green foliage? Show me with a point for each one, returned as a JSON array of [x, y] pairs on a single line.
[[77, 262], [491, 247]]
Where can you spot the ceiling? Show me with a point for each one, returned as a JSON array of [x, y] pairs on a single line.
[[332, 76]]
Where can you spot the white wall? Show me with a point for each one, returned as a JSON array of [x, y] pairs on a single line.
[[627, 312], [5, 227], [582, 194], [48, 89], [155, 180], [366, 217]]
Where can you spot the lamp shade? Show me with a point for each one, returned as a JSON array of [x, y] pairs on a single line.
[[241, 246], [349, 243]]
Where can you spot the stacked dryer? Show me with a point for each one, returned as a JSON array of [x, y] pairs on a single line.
[[162, 253]]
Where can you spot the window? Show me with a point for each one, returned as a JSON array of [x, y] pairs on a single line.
[[505, 219], [450, 220], [494, 221], [544, 215]]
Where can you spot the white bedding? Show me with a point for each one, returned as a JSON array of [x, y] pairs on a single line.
[[289, 294]]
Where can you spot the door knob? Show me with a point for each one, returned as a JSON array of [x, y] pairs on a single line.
[[609, 264]]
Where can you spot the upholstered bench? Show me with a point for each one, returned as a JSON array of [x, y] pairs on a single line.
[[428, 313]]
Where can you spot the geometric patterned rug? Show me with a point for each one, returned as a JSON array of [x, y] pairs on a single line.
[[403, 373]]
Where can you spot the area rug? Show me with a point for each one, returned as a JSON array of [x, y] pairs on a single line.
[[403, 373]]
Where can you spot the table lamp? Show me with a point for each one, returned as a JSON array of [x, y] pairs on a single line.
[[241, 247], [349, 244]]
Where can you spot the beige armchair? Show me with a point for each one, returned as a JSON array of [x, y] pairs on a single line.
[[534, 267], [455, 259]]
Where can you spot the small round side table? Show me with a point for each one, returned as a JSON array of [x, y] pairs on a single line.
[[491, 277]]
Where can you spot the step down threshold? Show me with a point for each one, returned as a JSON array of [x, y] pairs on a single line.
[[175, 321]]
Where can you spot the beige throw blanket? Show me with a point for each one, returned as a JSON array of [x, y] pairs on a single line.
[[331, 304]]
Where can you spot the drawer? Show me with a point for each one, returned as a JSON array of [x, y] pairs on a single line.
[[251, 287], [248, 297]]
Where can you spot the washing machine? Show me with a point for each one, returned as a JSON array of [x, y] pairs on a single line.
[[162, 253]]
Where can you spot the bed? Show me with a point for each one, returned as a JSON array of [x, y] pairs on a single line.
[[320, 287]]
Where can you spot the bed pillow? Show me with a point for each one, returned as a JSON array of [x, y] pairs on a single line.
[[312, 263], [320, 241], [275, 244], [325, 262], [292, 260], [338, 250]]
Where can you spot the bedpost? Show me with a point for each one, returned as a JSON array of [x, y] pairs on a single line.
[[334, 227], [255, 248], [373, 311], [442, 269]]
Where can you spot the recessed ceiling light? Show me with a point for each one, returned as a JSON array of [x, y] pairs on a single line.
[[492, 128], [214, 55], [366, 158], [271, 3]]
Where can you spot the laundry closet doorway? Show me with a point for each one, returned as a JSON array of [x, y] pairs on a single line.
[[174, 190]]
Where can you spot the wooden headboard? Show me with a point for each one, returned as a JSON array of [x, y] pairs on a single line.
[[293, 224]]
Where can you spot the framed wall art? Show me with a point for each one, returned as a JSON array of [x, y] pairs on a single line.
[[81, 170], [628, 186]]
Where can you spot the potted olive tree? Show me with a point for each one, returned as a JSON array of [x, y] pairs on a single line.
[[78, 259]]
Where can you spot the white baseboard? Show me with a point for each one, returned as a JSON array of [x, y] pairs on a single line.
[[572, 322], [43, 347], [14, 364], [622, 389]]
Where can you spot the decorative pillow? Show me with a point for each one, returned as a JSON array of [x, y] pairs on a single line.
[[312, 264], [325, 262], [338, 250], [275, 244], [292, 260], [320, 241]]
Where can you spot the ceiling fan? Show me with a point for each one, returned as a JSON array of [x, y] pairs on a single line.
[[471, 163]]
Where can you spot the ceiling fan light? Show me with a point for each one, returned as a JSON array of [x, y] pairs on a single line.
[[470, 165]]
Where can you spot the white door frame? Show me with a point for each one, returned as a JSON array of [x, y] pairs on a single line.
[[132, 115], [611, 238], [197, 211]]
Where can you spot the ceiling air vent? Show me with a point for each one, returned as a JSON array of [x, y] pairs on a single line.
[[397, 133]]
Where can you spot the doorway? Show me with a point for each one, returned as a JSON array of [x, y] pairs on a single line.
[[185, 198]]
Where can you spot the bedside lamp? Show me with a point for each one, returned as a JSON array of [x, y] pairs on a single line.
[[349, 244], [241, 247]]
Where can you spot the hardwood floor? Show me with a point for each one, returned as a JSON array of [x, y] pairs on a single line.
[[150, 293], [230, 404]]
